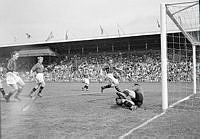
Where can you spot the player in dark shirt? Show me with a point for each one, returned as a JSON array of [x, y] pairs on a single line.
[[131, 98], [38, 69], [13, 79]]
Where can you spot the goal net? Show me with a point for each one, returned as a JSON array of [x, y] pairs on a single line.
[[180, 51]]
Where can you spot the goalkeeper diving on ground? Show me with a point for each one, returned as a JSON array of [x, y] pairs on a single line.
[[130, 98]]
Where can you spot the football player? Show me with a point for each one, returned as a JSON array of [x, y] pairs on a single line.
[[131, 98], [111, 76], [38, 69], [13, 79]]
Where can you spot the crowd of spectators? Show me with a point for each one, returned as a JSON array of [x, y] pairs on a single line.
[[144, 68], [135, 68]]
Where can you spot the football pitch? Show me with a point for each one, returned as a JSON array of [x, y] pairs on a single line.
[[65, 111]]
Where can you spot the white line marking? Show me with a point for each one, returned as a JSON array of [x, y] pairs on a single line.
[[143, 124], [155, 117], [186, 98]]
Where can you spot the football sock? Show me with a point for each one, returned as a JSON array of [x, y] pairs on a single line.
[[40, 90], [33, 90]]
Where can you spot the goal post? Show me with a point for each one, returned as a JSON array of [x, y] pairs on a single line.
[[164, 56], [180, 31]]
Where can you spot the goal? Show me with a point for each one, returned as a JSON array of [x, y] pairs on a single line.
[[180, 51]]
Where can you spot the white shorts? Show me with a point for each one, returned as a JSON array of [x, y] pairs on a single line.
[[112, 79], [86, 81], [13, 78], [40, 78]]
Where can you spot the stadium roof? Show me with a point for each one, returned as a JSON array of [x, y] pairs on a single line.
[[44, 51], [84, 39]]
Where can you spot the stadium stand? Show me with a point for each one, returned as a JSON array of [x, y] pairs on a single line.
[[138, 56]]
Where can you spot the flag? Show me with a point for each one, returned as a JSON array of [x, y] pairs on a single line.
[[158, 23], [101, 29], [50, 36], [28, 35], [118, 32], [119, 29], [66, 36]]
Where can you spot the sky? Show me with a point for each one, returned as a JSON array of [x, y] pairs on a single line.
[[81, 19]]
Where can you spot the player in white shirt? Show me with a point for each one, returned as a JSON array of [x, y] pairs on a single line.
[[111, 76]]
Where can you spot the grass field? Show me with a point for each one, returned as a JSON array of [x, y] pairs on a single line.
[[65, 111]]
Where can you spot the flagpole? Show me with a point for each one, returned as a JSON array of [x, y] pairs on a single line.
[[101, 29], [66, 35], [50, 36], [158, 24], [119, 28]]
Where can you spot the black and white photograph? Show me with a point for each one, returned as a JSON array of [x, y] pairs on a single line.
[[99, 69]]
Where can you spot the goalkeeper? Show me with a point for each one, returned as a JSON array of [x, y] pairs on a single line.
[[130, 98]]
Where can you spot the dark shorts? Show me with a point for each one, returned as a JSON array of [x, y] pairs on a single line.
[[138, 100]]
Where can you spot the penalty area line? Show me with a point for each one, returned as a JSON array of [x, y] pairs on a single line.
[[143, 124], [184, 99], [153, 118]]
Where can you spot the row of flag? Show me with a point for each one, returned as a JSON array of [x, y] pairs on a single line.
[[51, 36], [102, 32]]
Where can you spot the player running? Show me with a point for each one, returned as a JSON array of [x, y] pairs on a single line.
[[13, 79], [111, 76], [38, 69], [130, 98]]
